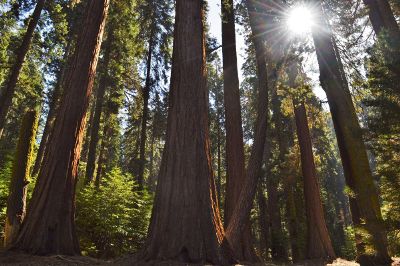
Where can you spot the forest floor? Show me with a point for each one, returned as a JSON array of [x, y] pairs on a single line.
[[13, 258]]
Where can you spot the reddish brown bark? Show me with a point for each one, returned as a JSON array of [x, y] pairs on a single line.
[[16, 205], [185, 223], [98, 109], [7, 93], [319, 245], [241, 214], [49, 226], [364, 203], [235, 161]]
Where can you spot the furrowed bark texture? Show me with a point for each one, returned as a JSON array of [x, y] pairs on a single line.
[[8, 90], [16, 205], [319, 245], [49, 226], [185, 223], [364, 202], [234, 133], [241, 213]]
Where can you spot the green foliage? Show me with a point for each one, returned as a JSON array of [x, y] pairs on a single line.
[[5, 177], [382, 99], [112, 219]]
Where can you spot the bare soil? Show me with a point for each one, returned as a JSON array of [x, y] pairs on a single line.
[[14, 258]]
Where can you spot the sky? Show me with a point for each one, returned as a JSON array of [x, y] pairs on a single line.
[[214, 21]]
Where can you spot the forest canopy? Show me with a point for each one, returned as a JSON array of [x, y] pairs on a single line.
[[200, 131]]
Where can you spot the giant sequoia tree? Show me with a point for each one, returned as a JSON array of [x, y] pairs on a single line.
[[49, 226], [233, 124], [319, 245], [364, 202], [185, 223]]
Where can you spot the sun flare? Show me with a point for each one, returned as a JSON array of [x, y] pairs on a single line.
[[300, 20]]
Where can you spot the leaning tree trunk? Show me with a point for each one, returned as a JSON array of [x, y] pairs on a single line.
[[7, 93], [98, 109], [319, 245], [49, 226], [16, 204], [235, 160], [241, 213], [364, 203], [381, 17], [185, 223]]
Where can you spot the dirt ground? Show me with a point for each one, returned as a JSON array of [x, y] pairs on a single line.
[[13, 258]]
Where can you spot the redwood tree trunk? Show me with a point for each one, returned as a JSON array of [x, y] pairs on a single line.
[[7, 93], [365, 202], [49, 226], [185, 223], [95, 126], [319, 245], [235, 160], [16, 204], [241, 213]]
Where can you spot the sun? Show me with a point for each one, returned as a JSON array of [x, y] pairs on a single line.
[[300, 20]]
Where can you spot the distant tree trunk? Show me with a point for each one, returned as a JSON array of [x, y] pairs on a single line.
[[48, 126], [145, 112], [234, 133], [185, 223], [102, 158], [278, 249], [98, 109], [89, 122], [8, 90], [381, 17], [319, 245], [291, 214], [55, 99], [16, 204], [49, 226], [263, 220], [364, 203], [241, 214]]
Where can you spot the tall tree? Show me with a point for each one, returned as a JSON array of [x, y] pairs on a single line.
[[95, 126], [242, 210], [8, 90], [156, 27], [319, 245], [16, 205], [382, 18], [185, 223], [49, 225], [233, 123], [364, 202]]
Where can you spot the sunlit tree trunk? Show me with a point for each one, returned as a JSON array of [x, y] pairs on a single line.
[[8, 90], [364, 202], [185, 223], [319, 244], [49, 227], [16, 205], [234, 133]]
